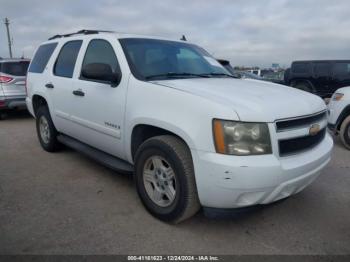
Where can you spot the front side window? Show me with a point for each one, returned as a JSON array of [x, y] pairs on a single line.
[[101, 52], [151, 59], [41, 58], [65, 62]]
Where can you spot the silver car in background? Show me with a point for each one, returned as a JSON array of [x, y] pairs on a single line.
[[12, 84]]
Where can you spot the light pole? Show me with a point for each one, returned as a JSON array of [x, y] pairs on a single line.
[[7, 23]]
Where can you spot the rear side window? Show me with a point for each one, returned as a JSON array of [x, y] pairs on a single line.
[[41, 58], [301, 68], [101, 51], [14, 68], [341, 69], [321, 69], [65, 62]]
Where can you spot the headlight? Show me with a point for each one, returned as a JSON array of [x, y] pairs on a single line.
[[239, 138], [337, 96]]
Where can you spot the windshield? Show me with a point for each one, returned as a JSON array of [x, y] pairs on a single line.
[[151, 59]]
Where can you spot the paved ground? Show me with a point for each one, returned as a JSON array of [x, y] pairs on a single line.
[[64, 203]]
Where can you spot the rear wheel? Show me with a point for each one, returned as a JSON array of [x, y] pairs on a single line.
[[46, 130], [303, 86], [165, 179], [345, 132]]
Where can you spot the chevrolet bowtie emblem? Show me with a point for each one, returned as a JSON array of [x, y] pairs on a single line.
[[314, 129]]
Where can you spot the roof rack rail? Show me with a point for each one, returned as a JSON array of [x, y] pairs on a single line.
[[82, 32]]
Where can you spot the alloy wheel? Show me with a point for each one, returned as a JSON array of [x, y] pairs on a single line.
[[159, 181]]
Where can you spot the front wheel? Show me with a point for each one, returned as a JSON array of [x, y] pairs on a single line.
[[345, 132], [165, 179]]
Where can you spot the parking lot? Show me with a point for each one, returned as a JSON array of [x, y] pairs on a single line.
[[64, 203]]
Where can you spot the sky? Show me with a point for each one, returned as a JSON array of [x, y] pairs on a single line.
[[246, 32]]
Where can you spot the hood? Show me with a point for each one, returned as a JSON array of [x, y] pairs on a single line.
[[252, 100]]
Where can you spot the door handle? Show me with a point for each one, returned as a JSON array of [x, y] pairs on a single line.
[[49, 85], [78, 93]]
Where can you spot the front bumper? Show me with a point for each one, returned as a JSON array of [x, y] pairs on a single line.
[[8, 103], [225, 181]]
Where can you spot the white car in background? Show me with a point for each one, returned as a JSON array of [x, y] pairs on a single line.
[[193, 135], [339, 114]]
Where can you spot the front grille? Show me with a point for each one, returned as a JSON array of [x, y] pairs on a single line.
[[295, 123], [295, 145]]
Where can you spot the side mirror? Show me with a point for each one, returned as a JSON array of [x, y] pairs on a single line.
[[101, 72]]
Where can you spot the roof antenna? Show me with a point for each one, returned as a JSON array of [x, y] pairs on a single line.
[[183, 38]]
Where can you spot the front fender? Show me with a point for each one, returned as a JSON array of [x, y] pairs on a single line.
[[156, 123], [187, 115]]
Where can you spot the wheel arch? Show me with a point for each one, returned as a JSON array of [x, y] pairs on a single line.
[[344, 114], [296, 81], [37, 101], [146, 129]]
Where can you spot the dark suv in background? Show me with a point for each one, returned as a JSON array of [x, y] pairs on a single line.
[[321, 77], [12, 84]]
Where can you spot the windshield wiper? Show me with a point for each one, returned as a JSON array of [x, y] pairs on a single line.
[[173, 74], [221, 74]]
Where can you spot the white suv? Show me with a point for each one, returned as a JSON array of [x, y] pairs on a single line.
[[339, 114], [168, 112]]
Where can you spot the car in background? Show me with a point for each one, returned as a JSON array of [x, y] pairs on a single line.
[[255, 72], [320, 77], [276, 77], [248, 75], [238, 73], [12, 84], [339, 115]]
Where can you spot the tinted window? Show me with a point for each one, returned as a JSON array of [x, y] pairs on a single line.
[[341, 69], [100, 51], [321, 69], [41, 58], [65, 62], [300, 68], [14, 68]]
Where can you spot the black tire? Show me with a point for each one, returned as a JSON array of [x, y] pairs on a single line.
[[51, 144], [303, 86], [345, 132], [176, 153]]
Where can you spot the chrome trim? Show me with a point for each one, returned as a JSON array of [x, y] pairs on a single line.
[[300, 117]]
